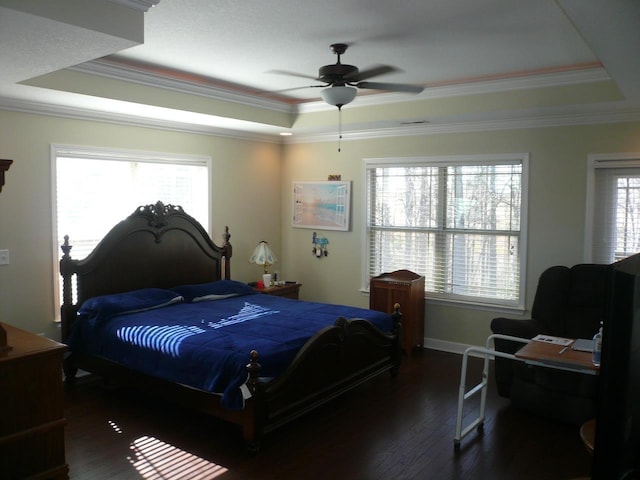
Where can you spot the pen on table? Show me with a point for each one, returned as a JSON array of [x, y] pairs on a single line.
[[563, 350]]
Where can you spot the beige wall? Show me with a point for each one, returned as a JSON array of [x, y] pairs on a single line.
[[557, 188], [246, 175], [252, 195]]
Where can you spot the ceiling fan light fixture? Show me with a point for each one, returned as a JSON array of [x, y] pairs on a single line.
[[338, 95]]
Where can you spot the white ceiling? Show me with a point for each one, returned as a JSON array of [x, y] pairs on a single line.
[[227, 48], [432, 41]]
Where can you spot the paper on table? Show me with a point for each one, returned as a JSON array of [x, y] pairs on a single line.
[[583, 345], [552, 340]]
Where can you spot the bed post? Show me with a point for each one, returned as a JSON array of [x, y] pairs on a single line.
[[67, 309], [66, 270], [397, 332], [255, 408], [228, 252]]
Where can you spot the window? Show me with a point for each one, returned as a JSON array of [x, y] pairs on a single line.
[[96, 188], [613, 207], [456, 220]]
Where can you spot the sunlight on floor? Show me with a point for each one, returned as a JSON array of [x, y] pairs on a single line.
[[115, 426], [157, 460]]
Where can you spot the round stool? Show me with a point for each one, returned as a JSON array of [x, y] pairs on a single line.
[[588, 434]]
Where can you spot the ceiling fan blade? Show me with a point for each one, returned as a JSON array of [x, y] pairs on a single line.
[[293, 74], [372, 72], [296, 88], [391, 87]]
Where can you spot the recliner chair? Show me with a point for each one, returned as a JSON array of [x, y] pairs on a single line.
[[569, 302]]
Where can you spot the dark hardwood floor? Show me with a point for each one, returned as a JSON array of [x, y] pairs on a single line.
[[399, 428]]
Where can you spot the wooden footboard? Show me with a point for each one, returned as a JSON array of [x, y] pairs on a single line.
[[337, 359]]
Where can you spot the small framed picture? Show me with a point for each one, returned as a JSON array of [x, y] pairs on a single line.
[[321, 205]]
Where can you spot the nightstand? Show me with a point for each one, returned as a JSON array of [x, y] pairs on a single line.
[[288, 290], [407, 289]]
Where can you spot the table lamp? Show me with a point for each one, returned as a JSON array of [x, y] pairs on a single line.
[[263, 255]]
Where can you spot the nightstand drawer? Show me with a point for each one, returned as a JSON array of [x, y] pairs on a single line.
[[289, 290]]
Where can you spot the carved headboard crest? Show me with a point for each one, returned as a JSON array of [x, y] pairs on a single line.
[[157, 213]]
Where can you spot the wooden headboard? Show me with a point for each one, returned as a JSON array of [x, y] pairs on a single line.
[[156, 246]]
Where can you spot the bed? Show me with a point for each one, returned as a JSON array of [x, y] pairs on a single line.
[[154, 306]]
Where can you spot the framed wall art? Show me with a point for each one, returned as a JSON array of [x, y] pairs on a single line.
[[321, 205]]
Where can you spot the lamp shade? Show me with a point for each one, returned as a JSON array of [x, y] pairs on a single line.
[[338, 95], [263, 255]]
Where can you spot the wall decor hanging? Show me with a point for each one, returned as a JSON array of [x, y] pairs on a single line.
[[321, 205], [319, 246]]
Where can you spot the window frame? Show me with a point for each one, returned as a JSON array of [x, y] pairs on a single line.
[[453, 160], [595, 162], [113, 154]]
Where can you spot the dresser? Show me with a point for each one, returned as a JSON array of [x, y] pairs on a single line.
[[407, 289], [31, 407]]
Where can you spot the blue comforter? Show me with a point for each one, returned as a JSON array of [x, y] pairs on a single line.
[[206, 344]]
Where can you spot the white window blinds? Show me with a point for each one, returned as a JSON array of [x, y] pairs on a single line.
[[96, 188], [616, 209], [455, 221], [95, 191]]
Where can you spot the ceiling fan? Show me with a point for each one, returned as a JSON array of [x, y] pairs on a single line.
[[342, 81]]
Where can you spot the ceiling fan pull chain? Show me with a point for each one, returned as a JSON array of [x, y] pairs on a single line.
[[339, 127]]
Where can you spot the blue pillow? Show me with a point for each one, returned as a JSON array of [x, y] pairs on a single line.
[[108, 306], [212, 290]]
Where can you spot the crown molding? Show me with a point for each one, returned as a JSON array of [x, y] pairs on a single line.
[[522, 122], [543, 80], [142, 76], [37, 108], [142, 5], [567, 117]]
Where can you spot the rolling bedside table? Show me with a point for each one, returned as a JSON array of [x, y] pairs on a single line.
[[288, 290]]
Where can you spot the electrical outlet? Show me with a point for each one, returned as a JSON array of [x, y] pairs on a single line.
[[4, 257]]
